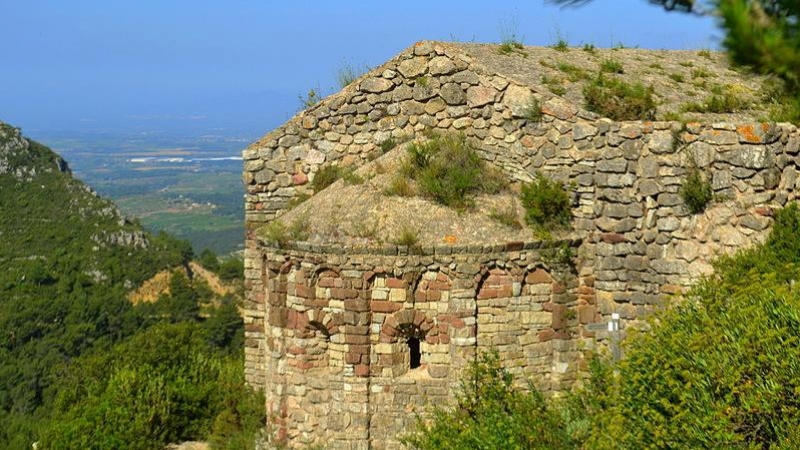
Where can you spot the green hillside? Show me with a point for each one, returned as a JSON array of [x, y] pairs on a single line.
[[67, 260]]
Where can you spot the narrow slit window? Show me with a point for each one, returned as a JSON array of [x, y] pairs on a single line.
[[414, 353]]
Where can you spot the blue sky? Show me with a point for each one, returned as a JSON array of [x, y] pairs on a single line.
[[239, 65]]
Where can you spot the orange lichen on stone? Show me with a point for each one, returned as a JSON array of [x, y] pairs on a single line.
[[746, 133]]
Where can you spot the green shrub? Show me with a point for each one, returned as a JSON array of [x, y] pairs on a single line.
[[163, 385], [696, 191], [489, 412], [573, 72], [720, 369], [276, 233], [561, 45], [209, 260], [511, 46], [347, 74], [392, 142], [546, 203], [533, 111], [408, 236], [676, 77], [611, 66], [325, 177], [701, 73], [400, 186], [310, 99], [723, 99], [350, 177], [555, 84], [619, 100], [448, 170]]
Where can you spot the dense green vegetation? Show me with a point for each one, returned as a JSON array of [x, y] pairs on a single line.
[[491, 414], [80, 366], [721, 369]]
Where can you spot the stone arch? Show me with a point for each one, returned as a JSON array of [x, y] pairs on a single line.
[[325, 270], [405, 343], [324, 283], [538, 282], [494, 283], [325, 322], [431, 287], [299, 294]]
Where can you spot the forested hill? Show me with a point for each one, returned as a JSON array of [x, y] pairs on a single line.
[[67, 260], [52, 224]]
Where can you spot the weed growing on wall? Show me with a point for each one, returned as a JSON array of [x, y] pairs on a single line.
[[325, 177], [510, 47], [280, 234], [510, 43], [611, 66], [546, 203], [723, 99], [533, 110], [448, 170], [561, 45], [696, 191], [347, 74], [407, 236], [310, 99], [619, 100]]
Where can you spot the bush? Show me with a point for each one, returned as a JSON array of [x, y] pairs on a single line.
[[619, 100], [448, 170], [723, 100], [721, 369], [231, 268], [209, 260], [278, 233], [696, 191], [546, 203], [611, 66], [490, 413], [164, 385], [325, 177]]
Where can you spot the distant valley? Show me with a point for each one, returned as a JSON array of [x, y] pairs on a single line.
[[188, 186]]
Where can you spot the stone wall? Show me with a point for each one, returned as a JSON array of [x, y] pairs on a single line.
[[338, 330], [639, 242]]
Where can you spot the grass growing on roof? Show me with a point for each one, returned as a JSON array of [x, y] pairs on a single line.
[[447, 169]]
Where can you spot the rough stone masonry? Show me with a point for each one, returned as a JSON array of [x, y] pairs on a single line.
[[349, 343]]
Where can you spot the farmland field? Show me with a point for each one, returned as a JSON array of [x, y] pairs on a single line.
[[188, 186]]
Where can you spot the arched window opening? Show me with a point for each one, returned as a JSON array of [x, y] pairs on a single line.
[[415, 356], [413, 337]]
